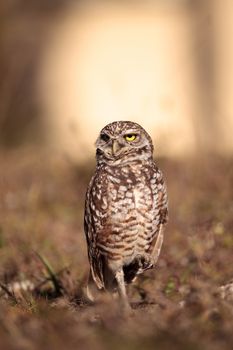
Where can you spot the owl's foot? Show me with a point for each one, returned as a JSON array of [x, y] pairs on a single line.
[[145, 262]]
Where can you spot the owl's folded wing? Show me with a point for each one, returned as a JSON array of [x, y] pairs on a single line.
[[161, 206], [92, 222]]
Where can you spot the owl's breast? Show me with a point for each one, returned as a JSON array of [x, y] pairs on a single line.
[[123, 208], [130, 218]]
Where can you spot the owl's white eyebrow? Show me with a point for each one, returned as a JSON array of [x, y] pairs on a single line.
[[135, 132]]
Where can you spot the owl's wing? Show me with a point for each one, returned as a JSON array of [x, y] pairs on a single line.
[[93, 219], [162, 200], [161, 211]]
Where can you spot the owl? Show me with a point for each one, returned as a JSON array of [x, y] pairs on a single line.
[[125, 209]]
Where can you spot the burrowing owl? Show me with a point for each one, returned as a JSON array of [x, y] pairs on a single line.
[[126, 208]]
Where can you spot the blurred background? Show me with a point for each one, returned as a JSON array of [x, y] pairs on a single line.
[[67, 68]]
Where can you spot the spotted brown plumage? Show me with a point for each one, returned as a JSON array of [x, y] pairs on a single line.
[[126, 207]]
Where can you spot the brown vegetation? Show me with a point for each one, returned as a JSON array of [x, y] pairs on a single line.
[[179, 305]]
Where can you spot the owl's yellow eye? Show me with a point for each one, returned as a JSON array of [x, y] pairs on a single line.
[[130, 137]]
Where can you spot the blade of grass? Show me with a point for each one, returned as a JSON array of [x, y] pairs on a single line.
[[9, 293], [45, 280], [56, 283]]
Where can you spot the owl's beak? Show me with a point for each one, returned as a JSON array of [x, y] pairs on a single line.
[[115, 147]]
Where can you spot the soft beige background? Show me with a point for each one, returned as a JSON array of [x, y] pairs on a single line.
[[111, 62], [167, 65]]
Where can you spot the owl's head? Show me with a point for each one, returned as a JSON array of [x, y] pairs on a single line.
[[123, 139]]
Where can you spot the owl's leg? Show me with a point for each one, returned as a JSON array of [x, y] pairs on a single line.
[[121, 288]]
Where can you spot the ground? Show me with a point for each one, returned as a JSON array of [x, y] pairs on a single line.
[[179, 305]]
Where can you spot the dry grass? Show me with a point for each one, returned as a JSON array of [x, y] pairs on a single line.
[[177, 306]]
